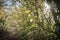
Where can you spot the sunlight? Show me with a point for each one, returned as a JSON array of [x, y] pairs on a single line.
[[46, 9], [47, 6]]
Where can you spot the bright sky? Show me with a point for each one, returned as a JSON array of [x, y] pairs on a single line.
[[9, 3]]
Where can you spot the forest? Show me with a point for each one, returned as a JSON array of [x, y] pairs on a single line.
[[29, 19]]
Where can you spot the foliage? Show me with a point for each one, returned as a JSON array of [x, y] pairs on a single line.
[[30, 21]]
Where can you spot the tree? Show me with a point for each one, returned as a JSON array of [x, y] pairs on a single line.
[[32, 20], [55, 14]]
